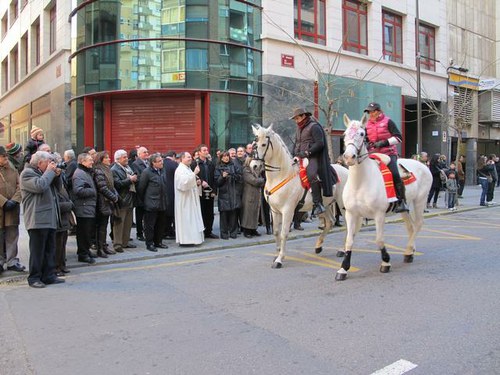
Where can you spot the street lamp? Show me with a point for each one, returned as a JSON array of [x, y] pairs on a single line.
[[448, 138]]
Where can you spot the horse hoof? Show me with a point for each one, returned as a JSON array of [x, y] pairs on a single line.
[[340, 254], [318, 250], [277, 265], [408, 258], [385, 269], [340, 276]]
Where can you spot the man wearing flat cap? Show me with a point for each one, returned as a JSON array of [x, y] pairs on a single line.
[[383, 136], [310, 142]]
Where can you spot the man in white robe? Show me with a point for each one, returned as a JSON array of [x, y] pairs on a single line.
[[188, 220]]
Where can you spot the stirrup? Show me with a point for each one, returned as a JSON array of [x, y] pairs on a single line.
[[401, 207], [318, 209]]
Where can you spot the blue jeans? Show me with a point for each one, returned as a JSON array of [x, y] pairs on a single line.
[[451, 199], [484, 185]]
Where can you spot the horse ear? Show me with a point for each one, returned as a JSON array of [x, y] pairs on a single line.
[[347, 120], [270, 128], [255, 129], [364, 120]]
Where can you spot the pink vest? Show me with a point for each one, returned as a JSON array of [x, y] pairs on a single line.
[[378, 130]]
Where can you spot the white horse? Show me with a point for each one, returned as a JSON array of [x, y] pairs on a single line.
[[365, 195], [283, 189]]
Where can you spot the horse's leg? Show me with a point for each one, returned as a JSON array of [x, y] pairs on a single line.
[[327, 225], [353, 224], [379, 240], [277, 219], [286, 218], [413, 226]]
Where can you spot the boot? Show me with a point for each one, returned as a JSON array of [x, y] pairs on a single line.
[[318, 207], [401, 205], [101, 253]]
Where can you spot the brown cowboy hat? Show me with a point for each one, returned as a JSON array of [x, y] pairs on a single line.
[[300, 111]]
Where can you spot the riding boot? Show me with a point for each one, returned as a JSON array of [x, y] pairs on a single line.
[[401, 205], [318, 207]]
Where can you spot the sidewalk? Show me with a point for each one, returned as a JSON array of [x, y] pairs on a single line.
[[470, 201]]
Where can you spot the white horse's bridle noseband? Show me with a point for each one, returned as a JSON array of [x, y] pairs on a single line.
[[358, 144]]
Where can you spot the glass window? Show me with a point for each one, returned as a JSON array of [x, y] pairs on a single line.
[[309, 20], [427, 40], [5, 25], [355, 26], [196, 59], [14, 11], [53, 28], [392, 25]]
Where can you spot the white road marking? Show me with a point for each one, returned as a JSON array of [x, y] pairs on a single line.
[[396, 368]]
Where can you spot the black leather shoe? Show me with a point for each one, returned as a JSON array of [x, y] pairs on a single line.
[[92, 254], [338, 224], [211, 235], [318, 209], [161, 246], [118, 249], [248, 235], [233, 236], [298, 227], [255, 233], [16, 267], [151, 248], [86, 259], [130, 246], [55, 280], [141, 238], [37, 284]]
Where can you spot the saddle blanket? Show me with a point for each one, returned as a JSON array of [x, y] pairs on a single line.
[[387, 176], [303, 175]]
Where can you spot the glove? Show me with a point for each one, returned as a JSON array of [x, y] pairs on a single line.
[[10, 205], [303, 154], [381, 144]]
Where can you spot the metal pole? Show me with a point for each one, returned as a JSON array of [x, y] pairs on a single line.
[[419, 98]]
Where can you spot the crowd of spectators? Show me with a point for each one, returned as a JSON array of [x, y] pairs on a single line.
[[95, 194]]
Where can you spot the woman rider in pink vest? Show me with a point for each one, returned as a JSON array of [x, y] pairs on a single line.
[[383, 136]]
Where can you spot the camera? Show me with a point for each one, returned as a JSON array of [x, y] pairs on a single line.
[[61, 165]]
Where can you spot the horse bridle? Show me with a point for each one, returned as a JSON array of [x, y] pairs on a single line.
[[359, 156], [267, 167]]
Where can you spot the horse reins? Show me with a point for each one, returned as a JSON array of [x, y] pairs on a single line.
[[359, 157]]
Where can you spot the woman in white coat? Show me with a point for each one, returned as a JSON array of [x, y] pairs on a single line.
[[188, 220]]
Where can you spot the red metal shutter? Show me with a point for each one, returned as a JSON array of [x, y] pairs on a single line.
[[158, 123]]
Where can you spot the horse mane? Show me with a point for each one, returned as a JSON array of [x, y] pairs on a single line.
[[282, 143]]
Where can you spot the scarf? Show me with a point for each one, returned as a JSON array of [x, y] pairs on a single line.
[[303, 123]]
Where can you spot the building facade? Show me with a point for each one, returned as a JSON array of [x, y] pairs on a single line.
[[166, 74], [35, 74], [171, 74]]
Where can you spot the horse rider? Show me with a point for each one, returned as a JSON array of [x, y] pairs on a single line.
[[310, 142], [383, 136]]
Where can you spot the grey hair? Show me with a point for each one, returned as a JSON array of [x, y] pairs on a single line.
[[70, 154], [82, 157], [39, 156], [119, 154]]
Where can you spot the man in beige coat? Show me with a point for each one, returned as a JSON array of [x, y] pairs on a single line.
[[10, 197]]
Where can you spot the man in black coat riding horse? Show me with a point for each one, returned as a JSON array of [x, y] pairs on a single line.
[[310, 142]]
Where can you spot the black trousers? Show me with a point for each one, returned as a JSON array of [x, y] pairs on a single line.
[[102, 228], [207, 213], [491, 191], [61, 240], [228, 223], [154, 227], [169, 225], [42, 255], [85, 231], [139, 217]]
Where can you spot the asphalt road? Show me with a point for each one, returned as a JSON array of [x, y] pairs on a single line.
[[228, 312]]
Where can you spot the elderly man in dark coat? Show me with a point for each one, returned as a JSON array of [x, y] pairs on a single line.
[[10, 197], [85, 201], [310, 142], [41, 217], [152, 192]]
